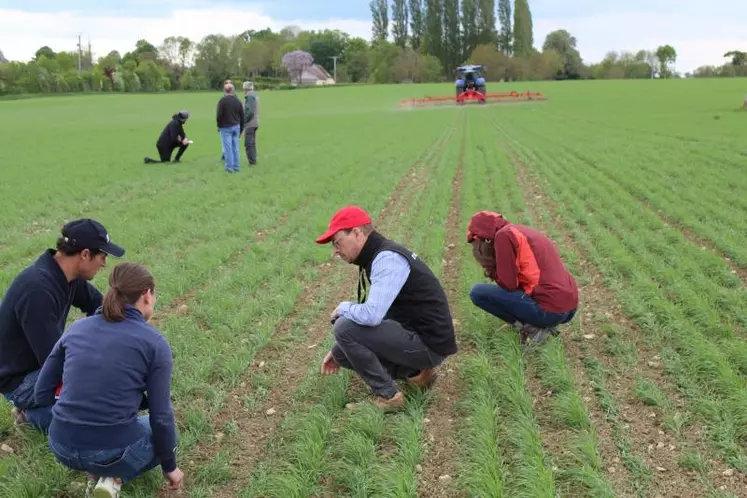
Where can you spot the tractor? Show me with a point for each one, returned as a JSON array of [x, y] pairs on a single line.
[[470, 83], [470, 86]]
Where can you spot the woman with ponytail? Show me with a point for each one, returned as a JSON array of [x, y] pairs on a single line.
[[111, 365]]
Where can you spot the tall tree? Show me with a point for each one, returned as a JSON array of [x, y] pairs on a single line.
[[417, 25], [738, 58], [564, 44], [506, 34], [356, 59], [523, 30], [452, 47], [3, 60], [486, 33], [399, 22], [186, 51], [434, 29], [380, 16], [666, 54], [470, 30], [46, 52], [325, 45]]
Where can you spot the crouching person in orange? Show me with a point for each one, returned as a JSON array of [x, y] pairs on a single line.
[[534, 291], [111, 365]]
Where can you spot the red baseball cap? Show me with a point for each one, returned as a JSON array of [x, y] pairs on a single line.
[[344, 219]]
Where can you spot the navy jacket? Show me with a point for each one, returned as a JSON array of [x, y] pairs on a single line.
[[106, 369], [33, 314]]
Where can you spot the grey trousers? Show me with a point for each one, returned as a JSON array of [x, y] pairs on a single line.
[[381, 354], [250, 144]]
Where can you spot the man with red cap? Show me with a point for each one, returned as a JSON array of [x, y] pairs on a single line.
[[403, 328], [534, 291]]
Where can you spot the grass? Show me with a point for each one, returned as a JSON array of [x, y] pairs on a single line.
[[641, 192]]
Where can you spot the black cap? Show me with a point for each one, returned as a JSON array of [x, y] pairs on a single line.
[[90, 234]]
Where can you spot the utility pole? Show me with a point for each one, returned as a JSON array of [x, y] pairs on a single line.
[[334, 58], [80, 49]]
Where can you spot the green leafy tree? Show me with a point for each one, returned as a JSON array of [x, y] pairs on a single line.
[[564, 45], [523, 30], [399, 23], [380, 17], [506, 34], [417, 24], [666, 55]]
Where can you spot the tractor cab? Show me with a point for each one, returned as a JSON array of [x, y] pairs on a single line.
[[470, 78]]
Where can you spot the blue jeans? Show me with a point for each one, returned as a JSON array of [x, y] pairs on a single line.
[[22, 397], [124, 463], [512, 306], [230, 139]]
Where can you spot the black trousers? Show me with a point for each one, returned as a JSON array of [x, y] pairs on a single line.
[[381, 354], [165, 152], [250, 144]]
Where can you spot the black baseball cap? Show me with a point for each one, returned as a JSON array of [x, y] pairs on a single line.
[[86, 233]]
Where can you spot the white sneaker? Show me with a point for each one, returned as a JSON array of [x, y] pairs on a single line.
[[107, 487]]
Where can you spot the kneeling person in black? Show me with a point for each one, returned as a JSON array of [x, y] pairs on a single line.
[[403, 329], [172, 137]]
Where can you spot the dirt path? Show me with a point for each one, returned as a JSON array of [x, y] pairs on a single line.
[[440, 449], [642, 425], [285, 367]]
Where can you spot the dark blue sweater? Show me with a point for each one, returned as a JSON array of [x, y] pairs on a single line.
[[106, 368], [33, 313]]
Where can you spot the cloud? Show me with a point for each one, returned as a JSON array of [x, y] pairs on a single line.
[[700, 36], [22, 33], [699, 39]]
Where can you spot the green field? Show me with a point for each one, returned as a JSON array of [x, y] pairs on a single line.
[[642, 184]]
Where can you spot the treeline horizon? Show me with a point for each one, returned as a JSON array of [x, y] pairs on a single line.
[[418, 41]]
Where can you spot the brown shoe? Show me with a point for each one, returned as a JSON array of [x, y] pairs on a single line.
[[394, 403], [425, 378]]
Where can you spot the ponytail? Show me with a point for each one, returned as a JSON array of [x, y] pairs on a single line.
[[127, 282], [113, 307]]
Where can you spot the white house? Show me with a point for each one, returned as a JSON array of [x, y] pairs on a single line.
[[316, 75]]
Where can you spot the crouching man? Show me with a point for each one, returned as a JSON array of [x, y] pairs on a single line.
[[403, 328], [534, 292]]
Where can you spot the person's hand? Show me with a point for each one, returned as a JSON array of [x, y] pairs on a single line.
[[483, 253], [185, 141], [175, 478], [329, 365]]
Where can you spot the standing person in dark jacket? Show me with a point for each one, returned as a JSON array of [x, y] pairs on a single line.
[[534, 291], [35, 308], [172, 137], [111, 365], [403, 329], [251, 115], [230, 119]]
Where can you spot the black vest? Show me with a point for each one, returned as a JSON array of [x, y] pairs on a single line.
[[421, 305]]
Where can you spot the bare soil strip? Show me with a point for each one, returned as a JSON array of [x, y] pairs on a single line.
[[441, 448], [289, 365], [658, 448]]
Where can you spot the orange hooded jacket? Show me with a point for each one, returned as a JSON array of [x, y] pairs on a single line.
[[526, 260]]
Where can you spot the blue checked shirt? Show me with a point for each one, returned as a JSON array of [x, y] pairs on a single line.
[[389, 271]]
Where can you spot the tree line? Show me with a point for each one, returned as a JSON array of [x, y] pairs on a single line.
[[412, 41]]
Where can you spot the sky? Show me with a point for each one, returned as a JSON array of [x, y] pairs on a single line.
[[701, 32]]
